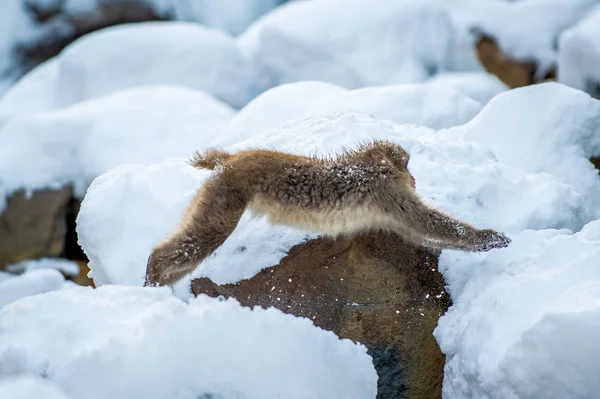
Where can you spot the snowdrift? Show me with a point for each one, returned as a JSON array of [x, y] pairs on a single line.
[[123, 342]]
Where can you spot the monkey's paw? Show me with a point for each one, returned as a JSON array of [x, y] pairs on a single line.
[[492, 240]]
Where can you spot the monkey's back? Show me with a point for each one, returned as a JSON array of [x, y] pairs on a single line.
[[327, 196]]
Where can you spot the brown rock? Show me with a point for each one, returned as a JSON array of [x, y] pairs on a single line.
[[514, 73], [33, 227], [374, 289]]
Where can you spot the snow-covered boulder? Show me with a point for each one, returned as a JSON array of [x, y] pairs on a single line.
[[525, 320], [579, 55], [131, 55], [429, 105], [546, 128], [86, 341], [32, 31], [73, 145], [353, 44], [525, 30]]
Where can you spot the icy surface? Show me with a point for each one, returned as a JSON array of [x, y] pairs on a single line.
[[525, 320], [117, 235], [579, 54], [351, 43], [29, 387], [130, 55], [73, 145], [167, 348]]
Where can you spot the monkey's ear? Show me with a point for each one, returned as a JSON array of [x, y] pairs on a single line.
[[380, 157]]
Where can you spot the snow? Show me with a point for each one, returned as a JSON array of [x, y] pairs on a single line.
[[350, 43], [29, 387], [525, 30], [134, 55], [480, 86], [68, 267], [420, 104], [232, 16], [557, 135], [31, 283], [73, 145], [579, 54], [167, 348], [525, 320]]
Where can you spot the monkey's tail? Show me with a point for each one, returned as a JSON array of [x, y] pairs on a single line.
[[209, 159]]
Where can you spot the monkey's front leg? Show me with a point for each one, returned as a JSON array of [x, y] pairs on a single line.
[[211, 218], [439, 230]]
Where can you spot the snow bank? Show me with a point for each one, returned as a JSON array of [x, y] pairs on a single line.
[[457, 176], [579, 54], [426, 105], [351, 43], [526, 30], [31, 283], [131, 55], [167, 348], [480, 86], [29, 387], [525, 320], [547, 128], [74, 145]]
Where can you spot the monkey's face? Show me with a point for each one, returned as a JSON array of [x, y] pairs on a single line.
[[399, 158]]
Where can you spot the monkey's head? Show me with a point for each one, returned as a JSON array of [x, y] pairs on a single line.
[[384, 152]]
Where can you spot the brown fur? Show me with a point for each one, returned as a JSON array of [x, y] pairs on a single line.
[[367, 189]]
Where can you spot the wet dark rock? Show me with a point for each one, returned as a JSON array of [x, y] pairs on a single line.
[[33, 227], [373, 289]]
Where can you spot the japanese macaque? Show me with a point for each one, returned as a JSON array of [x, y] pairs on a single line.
[[362, 190]]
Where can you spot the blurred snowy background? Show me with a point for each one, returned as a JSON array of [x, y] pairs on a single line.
[[101, 102]]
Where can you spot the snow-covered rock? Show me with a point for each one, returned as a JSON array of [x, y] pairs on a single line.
[[457, 176], [131, 55], [525, 30], [86, 341], [73, 145], [65, 20], [428, 105], [353, 43], [525, 320], [579, 55], [546, 128]]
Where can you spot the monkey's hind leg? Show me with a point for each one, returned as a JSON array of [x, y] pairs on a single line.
[[211, 217]]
